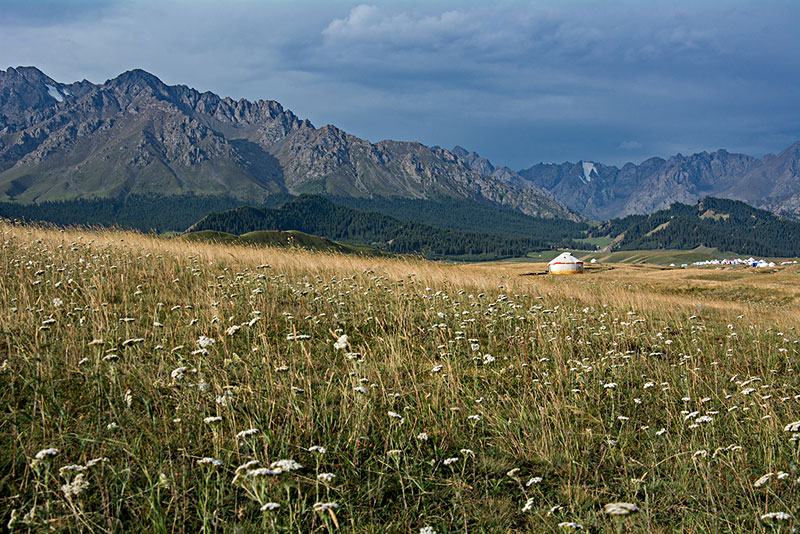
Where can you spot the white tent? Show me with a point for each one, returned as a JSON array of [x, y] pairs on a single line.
[[565, 263]]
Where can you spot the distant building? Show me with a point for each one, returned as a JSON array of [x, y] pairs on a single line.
[[565, 263]]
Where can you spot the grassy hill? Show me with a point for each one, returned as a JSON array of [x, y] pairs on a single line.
[[278, 238], [723, 224]]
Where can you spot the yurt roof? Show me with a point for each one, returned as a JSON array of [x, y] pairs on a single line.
[[564, 257]]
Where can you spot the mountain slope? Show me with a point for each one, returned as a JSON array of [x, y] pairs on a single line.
[[135, 135], [772, 183], [728, 225], [316, 215]]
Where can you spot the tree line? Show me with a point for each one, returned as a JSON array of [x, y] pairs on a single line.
[[319, 216]]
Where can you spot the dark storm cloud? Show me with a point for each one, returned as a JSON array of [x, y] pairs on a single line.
[[520, 84]]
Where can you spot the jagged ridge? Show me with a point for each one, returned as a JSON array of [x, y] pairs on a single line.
[[136, 135], [772, 182]]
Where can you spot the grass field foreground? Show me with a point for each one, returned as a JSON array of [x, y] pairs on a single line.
[[152, 383]]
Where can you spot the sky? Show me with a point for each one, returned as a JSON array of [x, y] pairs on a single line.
[[520, 82]]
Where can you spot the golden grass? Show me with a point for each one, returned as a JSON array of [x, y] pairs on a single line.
[[543, 398]]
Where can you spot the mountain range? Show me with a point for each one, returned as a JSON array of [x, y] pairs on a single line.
[[134, 136], [603, 192]]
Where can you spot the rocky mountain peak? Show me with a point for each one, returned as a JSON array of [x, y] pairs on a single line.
[[136, 135], [136, 77], [656, 183]]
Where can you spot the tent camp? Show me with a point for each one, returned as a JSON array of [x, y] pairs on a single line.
[[565, 263]]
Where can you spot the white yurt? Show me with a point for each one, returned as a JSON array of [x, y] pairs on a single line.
[[566, 263]]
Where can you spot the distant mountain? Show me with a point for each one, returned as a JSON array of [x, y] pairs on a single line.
[[728, 225], [504, 174], [134, 135], [603, 192], [316, 215]]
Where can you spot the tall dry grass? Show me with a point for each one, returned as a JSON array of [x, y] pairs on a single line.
[[152, 383]]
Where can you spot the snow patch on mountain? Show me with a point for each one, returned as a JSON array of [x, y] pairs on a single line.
[[52, 91], [588, 168]]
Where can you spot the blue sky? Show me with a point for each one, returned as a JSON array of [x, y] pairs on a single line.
[[518, 82]]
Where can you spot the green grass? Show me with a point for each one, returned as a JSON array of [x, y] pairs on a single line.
[[462, 398], [663, 257]]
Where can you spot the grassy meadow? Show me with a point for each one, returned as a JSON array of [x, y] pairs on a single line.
[[164, 385]]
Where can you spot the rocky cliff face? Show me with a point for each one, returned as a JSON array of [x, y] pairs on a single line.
[[134, 134], [605, 192]]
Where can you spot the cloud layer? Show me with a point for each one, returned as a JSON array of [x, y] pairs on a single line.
[[610, 81]]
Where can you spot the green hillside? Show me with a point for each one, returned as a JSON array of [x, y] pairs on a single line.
[[318, 216], [469, 216], [727, 225], [278, 238]]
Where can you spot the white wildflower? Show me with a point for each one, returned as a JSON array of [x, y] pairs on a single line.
[[247, 433], [69, 468], [341, 343], [322, 506], [247, 465], [75, 487], [327, 478], [263, 471], [285, 465], [204, 342], [396, 415], [528, 505], [774, 518], [763, 480], [792, 427], [232, 329], [46, 453], [620, 508]]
